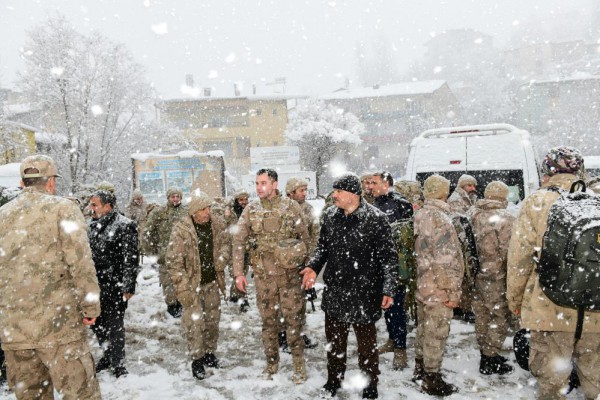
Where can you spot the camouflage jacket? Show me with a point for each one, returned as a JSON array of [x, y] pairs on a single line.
[[158, 229], [48, 278], [265, 224], [313, 225], [183, 257], [524, 293], [440, 265], [492, 226], [460, 201]]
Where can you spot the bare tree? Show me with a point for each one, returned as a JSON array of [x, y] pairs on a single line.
[[322, 132], [93, 98]]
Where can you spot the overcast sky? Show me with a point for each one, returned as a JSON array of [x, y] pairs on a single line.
[[310, 43]]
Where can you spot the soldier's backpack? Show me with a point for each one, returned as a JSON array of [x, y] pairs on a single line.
[[569, 264]]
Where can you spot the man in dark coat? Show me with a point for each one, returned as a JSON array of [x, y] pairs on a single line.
[[399, 212], [361, 274], [114, 242]]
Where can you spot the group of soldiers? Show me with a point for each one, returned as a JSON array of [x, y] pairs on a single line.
[[418, 252]]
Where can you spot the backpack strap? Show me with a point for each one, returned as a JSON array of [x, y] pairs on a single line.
[[574, 185], [579, 327]]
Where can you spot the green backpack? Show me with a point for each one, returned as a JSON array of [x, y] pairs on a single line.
[[403, 234]]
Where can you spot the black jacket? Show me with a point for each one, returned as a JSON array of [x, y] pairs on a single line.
[[395, 206], [114, 242], [361, 263]]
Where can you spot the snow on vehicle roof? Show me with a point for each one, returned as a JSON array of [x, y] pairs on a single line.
[[399, 89], [591, 161], [10, 175], [470, 130]]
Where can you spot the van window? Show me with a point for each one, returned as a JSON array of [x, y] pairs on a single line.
[[513, 178]]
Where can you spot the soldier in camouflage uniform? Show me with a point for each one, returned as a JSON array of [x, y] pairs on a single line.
[[461, 200], [553, 343], [198, 251], [49, 288], [412, 191], [440, 270], [278, 238], [492, 226], [137, 211], [296, 189], [233, 211], [156, 238]]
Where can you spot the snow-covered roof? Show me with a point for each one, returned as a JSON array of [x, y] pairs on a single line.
[[20, 125], [18, 108], [180, 154], [563, 80], [398, 89], [263, 97]]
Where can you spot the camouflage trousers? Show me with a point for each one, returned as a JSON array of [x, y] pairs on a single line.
[[200, 321], [432, 334], [491, 315], [68, 368], [550, 362], [167, 286], [274, 292]]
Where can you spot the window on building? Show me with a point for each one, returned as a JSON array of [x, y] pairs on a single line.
[[243, 147], [226, 146]]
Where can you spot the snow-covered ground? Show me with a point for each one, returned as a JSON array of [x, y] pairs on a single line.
[[160, 369]]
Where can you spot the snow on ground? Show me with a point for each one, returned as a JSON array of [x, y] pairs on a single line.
[[160, 369]]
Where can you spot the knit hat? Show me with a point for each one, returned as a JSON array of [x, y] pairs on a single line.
[[40, 166], [241, 193], [562, 160], [348, 183], [465, 180], [294, 183], [436, 187], [198, 201], [105, 185], [174, 190], [496, 190], [137, 194]]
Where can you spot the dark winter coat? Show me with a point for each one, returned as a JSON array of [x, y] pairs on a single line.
[[361, 263], [114, 242], [395, 206]]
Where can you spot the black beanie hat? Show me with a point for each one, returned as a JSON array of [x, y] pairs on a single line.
[[349, 183]]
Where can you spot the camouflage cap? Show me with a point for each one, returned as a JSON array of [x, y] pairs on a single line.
[[465, 180], [411, 190], [40, 166], [294, 183], [199, 201], [105, 185], [496, 190], [436, 187], [562, 160], [366, 175], [137, 194], [174, 190]]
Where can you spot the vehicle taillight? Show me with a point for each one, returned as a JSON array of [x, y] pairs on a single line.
[[454, 162]]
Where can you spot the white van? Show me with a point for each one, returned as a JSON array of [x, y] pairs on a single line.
[[487, 152], [592, 165]]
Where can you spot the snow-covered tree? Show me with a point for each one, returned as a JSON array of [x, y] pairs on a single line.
[[93, 97], [322, 132]]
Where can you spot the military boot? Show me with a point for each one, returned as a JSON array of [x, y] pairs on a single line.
[[198, 369], [308, 343], [387, 347], [103, 363], [299, 375], [400, 360], [175, 309], [419, 370], [329, 389], [270, 370], [493, 365], [434, 385], [245, 306], [210, 360], [120, 371]]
